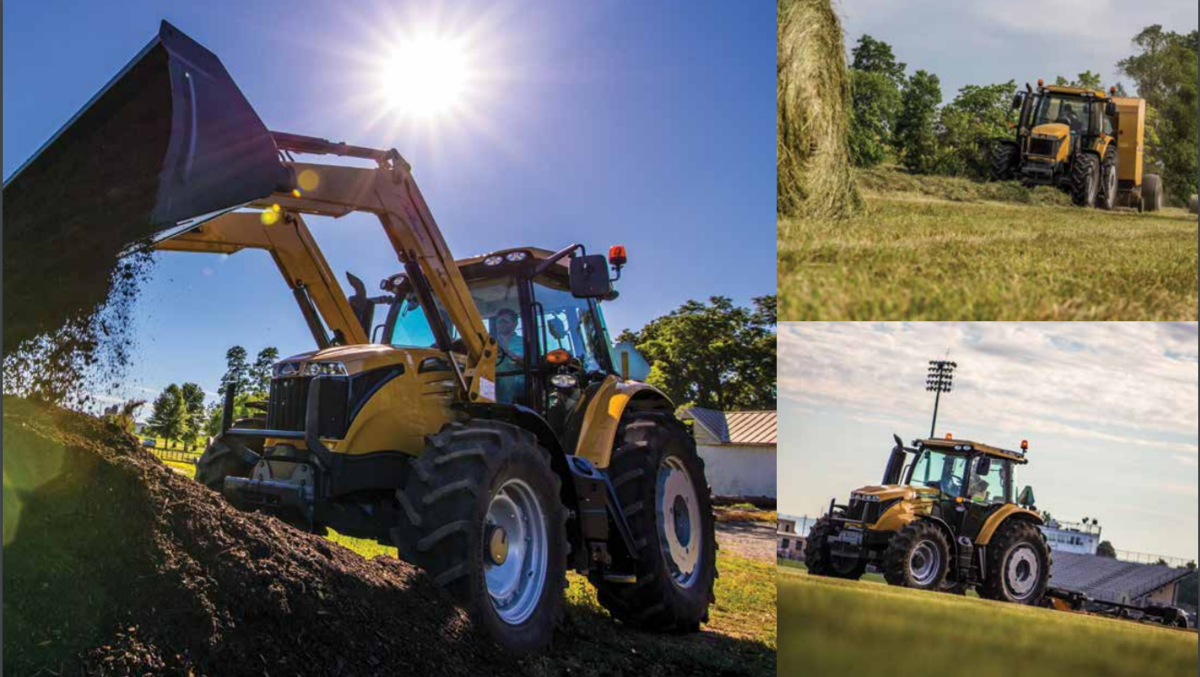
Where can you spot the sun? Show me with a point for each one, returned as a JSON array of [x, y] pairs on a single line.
[[427, 76]]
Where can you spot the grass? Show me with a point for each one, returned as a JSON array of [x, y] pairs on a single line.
[[743, 512], [937, 248], [837, 627], [739, 639]]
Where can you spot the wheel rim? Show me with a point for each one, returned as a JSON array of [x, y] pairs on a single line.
[[678, 513], [924, 562], [516, 585], [1022, 571], [1110, 183]]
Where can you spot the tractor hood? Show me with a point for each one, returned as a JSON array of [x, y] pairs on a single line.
[[887, 492], [1052, 130], [360, 358]]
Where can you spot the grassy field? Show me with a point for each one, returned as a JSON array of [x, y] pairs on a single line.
[[937, 248], [837, 627], [739, 639]]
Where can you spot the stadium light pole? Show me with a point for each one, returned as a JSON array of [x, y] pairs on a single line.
[[940, 380]]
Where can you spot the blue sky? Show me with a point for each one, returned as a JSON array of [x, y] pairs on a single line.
[[979, 42], [647, 125], [1109, 409]]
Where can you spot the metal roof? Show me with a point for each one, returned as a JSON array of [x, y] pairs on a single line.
[[1110, 580], [736, 427]]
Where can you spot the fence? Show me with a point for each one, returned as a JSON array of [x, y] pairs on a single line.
[[175, 456]]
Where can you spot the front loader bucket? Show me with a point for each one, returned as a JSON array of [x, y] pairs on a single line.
[[168, 143]]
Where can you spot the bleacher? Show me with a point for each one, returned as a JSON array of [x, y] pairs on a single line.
[[1110, 580]]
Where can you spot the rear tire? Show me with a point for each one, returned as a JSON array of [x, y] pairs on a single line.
[[654, 455], [918, 556], [820, 562], [1018, 567], [1107, 197], [470, 479], [228, 457], [1085, 180], [1005, 157], [1152, 193]]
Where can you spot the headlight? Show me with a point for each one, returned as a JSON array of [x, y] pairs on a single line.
[[324, 369], [516, 256], [563, 381], [492, 261]]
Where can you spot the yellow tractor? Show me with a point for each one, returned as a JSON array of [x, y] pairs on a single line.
[[1086, 142], [482, 424], [945, 519]]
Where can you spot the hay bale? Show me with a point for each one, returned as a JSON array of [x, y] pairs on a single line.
[[814, 177], [1192, 205]]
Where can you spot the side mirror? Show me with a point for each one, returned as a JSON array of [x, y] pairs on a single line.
[[1110, 109], [589, 277], [1018, 99], [984, 465], [1025, 500]]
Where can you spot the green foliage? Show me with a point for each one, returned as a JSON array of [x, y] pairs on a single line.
[[168, 419], [875, 56], [193, 414], [1165, 72], [260, 373], [1187, 588], [875, 103], [970, 125], [1086, 80], [1106, 549], [916, 126], [237, 371], [715, 354]]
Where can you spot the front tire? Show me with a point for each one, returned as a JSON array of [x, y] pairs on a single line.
[[1152, 193], [1107, 196], [1018, 564], [481, 514], [659, 480], [917, 556], [1005, 157], [1085, 180], [229, 456], [820, 562]]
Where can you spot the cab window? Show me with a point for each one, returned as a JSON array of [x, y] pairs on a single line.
[[566, 323], [991, 487]]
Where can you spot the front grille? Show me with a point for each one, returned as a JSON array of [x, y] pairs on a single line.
[[865, 511], [1043, 147], [286, 409]]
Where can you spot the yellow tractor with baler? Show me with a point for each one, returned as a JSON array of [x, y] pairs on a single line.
[[945, 519], [1087, 142], [483, 426]]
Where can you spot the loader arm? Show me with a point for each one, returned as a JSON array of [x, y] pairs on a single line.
[[298, 257]]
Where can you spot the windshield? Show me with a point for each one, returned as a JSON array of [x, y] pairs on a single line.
[[941, 471], [992, 486], [1073, 111], [496, 298], [566, 322]]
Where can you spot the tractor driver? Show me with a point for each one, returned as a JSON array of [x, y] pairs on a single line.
[[510, 384], [1068, 117]]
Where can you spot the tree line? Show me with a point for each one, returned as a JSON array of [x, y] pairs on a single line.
[[898, 117], [180, 414]]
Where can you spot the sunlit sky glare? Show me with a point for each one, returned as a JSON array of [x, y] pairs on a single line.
[[1109, 409], [645, 124], [982, 42]]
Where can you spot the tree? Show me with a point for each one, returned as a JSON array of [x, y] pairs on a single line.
[[716, 355], [168, 417], [874, 105], [1165, 72], [1106, 549], [193, 414], [875, 56], [916, 131], [970, 125], [237, 371], [1086, 80], [1187, 587], [876, 79], [261, 372]]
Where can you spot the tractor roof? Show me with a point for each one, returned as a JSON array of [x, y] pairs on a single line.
[[967, 446], [1080, 91], [474, 267]]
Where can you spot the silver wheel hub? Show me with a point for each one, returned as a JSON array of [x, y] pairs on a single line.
[[678, 518], [1022, 571], [515, 542], [924, 562]]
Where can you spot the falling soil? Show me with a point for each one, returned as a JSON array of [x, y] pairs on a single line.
[[116, 565]]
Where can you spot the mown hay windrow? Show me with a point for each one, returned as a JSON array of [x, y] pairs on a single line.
[[814, 176]]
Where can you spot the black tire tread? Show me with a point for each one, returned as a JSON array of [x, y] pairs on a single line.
[[1084, 173], [895, 558], [817, 558], [1010, 533]]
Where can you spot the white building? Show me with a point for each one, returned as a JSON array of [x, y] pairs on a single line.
[[1073, 537], [738, 448]]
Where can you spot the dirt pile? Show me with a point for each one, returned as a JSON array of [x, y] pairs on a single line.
[[116, 565]]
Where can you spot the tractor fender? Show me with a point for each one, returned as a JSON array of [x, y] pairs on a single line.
[[1008, 511], [596, 419], [944, 526]]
